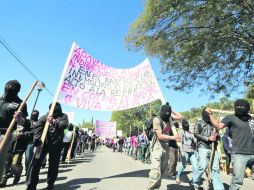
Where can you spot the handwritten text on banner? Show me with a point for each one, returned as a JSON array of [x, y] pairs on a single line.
[[89, 84]]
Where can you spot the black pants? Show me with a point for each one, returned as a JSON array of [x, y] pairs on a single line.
[[228, 160], [73, 149], [54, 151], [66, 146]]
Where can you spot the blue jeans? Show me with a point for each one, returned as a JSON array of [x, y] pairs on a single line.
[[29, 155], [194, 162], [239, 162], [204, 157]]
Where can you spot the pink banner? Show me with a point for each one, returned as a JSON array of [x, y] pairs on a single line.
[[105, 129], [89, 84]]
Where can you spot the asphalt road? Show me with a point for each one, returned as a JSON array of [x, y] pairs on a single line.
[[108, 170]]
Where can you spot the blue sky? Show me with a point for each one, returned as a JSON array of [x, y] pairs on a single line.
[[41, 34]]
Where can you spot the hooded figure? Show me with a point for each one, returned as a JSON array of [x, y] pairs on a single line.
[[70, 127], [242, 108], [57, 111], [185, 125], [11, 90], [165, 112], [205, 116], [35, 115]]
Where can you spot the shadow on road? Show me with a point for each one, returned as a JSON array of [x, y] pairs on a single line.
[[76, 183], [140, 173]]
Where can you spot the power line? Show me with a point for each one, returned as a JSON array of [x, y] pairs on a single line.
[[12, 52]]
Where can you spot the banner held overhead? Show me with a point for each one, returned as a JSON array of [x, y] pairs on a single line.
[[89, 84]]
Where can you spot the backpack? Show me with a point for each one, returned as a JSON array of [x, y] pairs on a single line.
[[149, 127]]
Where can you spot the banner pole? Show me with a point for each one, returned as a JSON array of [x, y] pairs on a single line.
[[45, 130]]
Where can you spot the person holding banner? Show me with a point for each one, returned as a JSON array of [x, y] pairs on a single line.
[[161, 128], [53, 145], [9, 104]]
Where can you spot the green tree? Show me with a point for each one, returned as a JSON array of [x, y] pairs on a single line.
[[199, 43], [135, 118], [86, 124]]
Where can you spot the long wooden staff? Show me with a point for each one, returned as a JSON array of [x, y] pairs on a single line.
[[225, 111], [210, 164], [10, 128], [45, 130], [72, 142]]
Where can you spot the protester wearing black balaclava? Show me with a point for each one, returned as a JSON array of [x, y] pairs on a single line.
[[11, 90], [165, 112], [185, 125], [205, 116], [9, 104], [242, 108], [241, 126], [35, 115], [57, 110], [29, 150], [70, 127], [52, 146]]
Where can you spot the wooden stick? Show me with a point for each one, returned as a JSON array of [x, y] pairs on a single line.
[[226, 111], [70, 148], [13, 121], [45, 130], [210, 164]]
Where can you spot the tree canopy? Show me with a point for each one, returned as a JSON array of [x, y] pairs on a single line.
[[132, 120], [199, 43]]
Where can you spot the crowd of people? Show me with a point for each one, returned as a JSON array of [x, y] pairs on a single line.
[[199, 146], [159, 145], [63, 140]]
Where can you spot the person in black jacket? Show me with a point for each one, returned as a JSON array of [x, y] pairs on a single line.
[[205, 137], [9, 104], [30, 147], [53, 146]]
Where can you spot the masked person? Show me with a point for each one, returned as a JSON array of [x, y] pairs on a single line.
[[75, 143], [241, 126], [52, 146], [29, 150], [9, 104], [205, 138], [188, 147], [159, 158], [68, 135]]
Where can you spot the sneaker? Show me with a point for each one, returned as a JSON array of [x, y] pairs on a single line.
[[178, 180]]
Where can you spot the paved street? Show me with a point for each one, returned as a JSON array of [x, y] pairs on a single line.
[[108, 170]]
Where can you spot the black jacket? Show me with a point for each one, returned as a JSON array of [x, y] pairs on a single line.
[[56, 131], [7, 110], [20, 144], [202, 131]]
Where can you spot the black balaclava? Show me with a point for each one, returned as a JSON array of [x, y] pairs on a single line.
[[165, 112], [35, 115], [242, 107], [185, 125], [11, 90], [70, 127], [57, 111], [176, 124], [205, 116]]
